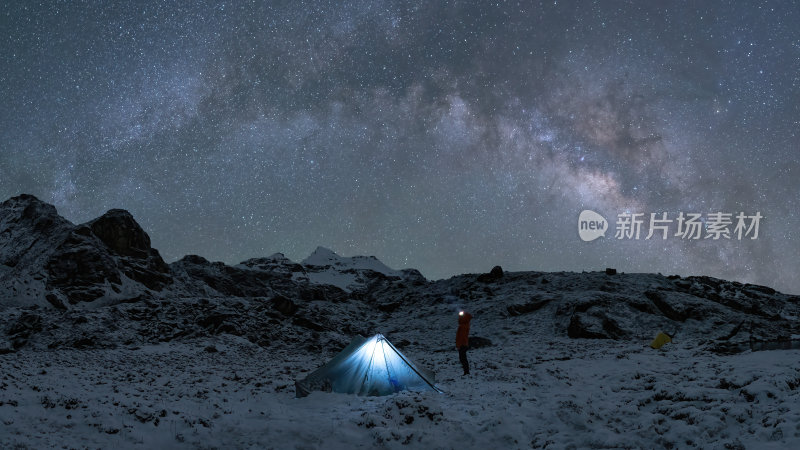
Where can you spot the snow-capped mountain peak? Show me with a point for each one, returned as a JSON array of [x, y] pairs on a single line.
[[322, 256], [350, 273], [326, 257]]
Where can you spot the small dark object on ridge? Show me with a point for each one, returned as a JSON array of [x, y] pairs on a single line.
[[211, 349], [495, 274], [610, 271]]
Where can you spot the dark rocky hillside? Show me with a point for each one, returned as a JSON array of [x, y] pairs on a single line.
[[101, 284]]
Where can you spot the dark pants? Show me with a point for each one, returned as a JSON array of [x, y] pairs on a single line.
[[462, 356]]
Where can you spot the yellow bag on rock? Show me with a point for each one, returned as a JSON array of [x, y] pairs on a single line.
[[660, 340]]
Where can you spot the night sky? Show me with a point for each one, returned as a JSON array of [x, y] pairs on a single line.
[[445, 137]]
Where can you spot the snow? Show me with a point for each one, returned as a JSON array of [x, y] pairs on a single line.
[[324, 266], [531, 387], [333, 277], [520, 395], [326, 257], [211, 360]]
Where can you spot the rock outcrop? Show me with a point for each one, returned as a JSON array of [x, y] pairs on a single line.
[[50, 267], [60, 264]]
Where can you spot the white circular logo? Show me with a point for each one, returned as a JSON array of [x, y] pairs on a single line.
[[591, 225]]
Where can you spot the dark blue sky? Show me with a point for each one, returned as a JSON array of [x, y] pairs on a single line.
[[449, 137]]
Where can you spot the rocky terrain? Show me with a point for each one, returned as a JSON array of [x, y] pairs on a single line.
[[103, 342]]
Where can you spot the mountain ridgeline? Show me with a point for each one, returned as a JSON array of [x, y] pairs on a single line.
[[101, 284]]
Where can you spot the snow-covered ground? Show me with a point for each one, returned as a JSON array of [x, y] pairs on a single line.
[[103, 345], [525, 393]]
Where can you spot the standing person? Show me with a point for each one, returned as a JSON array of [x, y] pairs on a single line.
[[462, 339]]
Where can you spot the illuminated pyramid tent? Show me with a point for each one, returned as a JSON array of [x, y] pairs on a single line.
[[367, 367]]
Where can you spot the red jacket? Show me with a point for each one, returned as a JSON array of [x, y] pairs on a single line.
[[462, 335]]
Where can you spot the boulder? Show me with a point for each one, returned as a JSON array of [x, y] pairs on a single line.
[[284, 305], [25, 326], [594, 325], [306, 323], [677, 311], [534, 305], [495, 274], [217, 322]]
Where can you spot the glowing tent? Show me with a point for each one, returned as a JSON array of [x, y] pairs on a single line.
[[367, 367]]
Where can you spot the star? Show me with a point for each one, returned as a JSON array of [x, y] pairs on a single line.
[[449, 138]]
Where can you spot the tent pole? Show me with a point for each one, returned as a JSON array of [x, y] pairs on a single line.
[[412, 366]]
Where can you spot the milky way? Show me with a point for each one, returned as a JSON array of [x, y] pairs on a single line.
[[446, 137]]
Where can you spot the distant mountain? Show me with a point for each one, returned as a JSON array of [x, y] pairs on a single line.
[[54, 273], [47, 260], [325, 257], [324, 266]]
